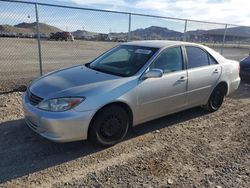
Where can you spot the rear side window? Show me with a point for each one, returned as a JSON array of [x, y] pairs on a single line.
[[196, 57]]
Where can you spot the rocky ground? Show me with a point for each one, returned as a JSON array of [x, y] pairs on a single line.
[[188, 149]]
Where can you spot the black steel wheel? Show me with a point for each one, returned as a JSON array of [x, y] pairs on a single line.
[[216, 99], [109, 126]]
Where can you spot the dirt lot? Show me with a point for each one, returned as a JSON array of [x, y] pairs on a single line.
[[19, 57], [189, 149]]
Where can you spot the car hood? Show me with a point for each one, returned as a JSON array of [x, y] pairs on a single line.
[[74, 81]]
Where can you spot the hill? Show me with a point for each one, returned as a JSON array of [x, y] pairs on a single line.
[[152, 32], [155, 32], [12, 29], [232, 31], [28, 28]]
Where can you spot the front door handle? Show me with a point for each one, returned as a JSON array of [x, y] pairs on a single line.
[[182, 79], [216, 71]]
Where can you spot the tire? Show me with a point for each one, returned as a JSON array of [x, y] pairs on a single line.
[[109, 126], [216, 98]]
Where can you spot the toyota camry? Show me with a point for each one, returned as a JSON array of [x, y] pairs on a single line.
[[128, 85]]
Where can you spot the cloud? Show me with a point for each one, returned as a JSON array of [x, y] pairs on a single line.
[[216, 11], [100, 2], [227, 11]]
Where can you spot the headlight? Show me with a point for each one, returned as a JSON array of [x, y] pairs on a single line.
[[60, 104]]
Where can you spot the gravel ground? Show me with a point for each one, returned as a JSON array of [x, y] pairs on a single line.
[[188, 149]]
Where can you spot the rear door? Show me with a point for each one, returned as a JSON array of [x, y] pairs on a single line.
[[203, 74]]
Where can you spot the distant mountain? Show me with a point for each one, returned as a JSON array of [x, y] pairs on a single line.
[[12, 29], [44, 28], [155, 32], [28, 28], [161, 33], [240, 32], [231, 31]]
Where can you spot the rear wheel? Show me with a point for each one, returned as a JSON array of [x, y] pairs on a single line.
[[216, 99], [109, 126]]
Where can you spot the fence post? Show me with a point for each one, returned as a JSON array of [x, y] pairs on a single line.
[[129, 27], [38, 40], [224, 39], [185, 31]]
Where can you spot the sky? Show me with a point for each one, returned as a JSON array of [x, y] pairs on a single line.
[[224, 11]]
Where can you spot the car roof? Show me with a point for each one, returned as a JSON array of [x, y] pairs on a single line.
[[169, 43], [158, 43]]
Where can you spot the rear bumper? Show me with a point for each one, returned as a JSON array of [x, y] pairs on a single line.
[[234, 85], [57, 126]]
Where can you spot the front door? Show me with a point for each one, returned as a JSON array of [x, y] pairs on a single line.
[[161, 96]]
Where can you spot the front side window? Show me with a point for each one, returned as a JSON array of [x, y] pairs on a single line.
[[212, 61], [196, 57], [124, 60], [170, 60]]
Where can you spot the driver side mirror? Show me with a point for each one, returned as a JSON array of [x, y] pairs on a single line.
[[152, 73]]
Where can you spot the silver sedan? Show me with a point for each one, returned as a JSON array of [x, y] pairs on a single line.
[[130, 84]]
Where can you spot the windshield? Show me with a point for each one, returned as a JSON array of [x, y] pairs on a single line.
[[124, 60]]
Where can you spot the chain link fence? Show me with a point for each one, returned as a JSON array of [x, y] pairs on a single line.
[[36, 38]]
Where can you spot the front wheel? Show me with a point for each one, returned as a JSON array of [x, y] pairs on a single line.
[[216, 99], [109, 126]]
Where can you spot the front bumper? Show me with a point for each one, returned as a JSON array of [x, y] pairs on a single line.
[[57, 126]]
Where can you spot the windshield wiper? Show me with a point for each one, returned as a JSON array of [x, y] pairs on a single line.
[[98, 69], [103, 70]]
